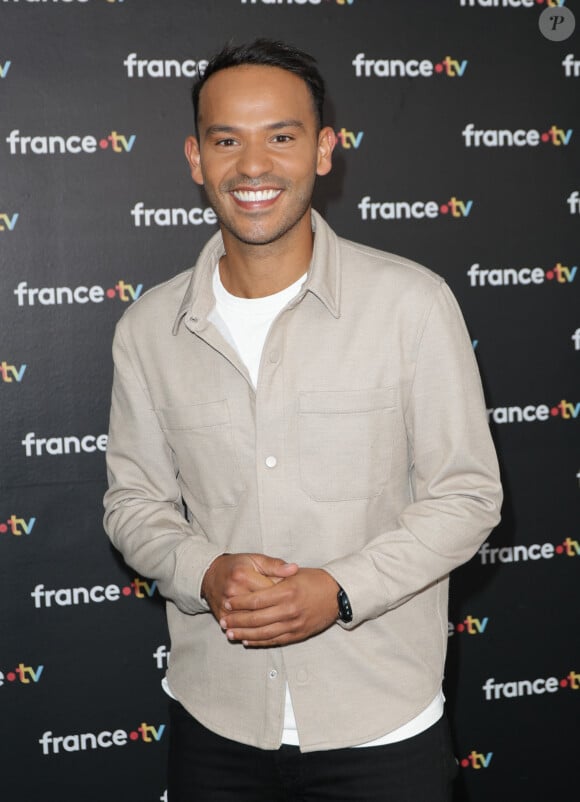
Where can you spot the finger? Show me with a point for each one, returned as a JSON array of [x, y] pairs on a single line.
[[270, 632], [258, 600], [254, 619], [274, 566], [282, 640]]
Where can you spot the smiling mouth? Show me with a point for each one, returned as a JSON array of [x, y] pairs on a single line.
[[255, 195]]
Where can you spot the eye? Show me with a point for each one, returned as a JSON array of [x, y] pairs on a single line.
[[225, 143], [283, 138]]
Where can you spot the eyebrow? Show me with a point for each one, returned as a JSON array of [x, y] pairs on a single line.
[[231, 129]]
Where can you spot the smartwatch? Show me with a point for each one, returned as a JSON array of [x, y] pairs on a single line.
[[344, 608]]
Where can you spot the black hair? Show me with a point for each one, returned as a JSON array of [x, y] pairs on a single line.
[[267, 53]]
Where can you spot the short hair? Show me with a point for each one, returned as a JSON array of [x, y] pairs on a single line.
[[267, 53]]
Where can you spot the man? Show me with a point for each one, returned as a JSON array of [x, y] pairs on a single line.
[[299, 455]]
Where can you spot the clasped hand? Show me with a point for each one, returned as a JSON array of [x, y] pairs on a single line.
[[264, 601]]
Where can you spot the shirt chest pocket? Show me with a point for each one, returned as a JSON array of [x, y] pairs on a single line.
[[201, 437], [345, 441]]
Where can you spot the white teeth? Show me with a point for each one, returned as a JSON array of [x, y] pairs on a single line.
[[251, 196]]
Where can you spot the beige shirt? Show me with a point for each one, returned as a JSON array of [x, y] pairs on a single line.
[[364, 449]]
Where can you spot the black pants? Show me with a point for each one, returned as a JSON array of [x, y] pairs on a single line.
[[204, 767]]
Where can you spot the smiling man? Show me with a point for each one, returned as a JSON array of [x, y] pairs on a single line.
[[299, 455]]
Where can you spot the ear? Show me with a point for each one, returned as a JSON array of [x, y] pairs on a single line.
[[326, 143], [193, 157]]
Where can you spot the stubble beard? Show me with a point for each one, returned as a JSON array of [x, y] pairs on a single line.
[[289, 220]]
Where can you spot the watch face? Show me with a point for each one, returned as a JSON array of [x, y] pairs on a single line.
[[344, 608]]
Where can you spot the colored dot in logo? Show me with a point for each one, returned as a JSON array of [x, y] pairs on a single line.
[[549, 275], [545, 137], [134, 736], [439, 68], [103, 144], [563, 683], [559, 549], [444, 208], [110, 293], [11, 676], [554, 411], [3, 528], [465, 762], [460, 627], [126, 591], [540, 2]]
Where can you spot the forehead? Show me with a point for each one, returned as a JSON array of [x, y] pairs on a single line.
[[250, 94]]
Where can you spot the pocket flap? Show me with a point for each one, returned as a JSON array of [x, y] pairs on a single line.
[[328, 401], [195, 416]]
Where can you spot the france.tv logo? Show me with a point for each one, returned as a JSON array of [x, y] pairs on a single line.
[[73, 144], [8, 221], [411, 68], [17, 526], [11, 373], [23, 674]]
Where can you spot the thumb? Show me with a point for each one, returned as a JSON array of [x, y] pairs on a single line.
[[274, 566]]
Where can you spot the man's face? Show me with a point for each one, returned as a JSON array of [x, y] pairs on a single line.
[[258, 151]]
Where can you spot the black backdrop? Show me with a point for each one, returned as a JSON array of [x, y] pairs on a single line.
[[459, 121]]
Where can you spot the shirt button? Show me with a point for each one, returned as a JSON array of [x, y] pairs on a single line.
[[273, 674], [271, 462], [274, 356]]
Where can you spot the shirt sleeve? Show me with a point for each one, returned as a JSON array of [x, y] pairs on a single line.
[[144, 514], [453, 472]]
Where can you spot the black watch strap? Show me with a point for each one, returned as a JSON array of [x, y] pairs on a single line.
[[344, 608]]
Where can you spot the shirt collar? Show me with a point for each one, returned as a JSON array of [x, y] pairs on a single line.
[[323, 277]]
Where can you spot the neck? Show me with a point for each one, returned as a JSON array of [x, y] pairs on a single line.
[[254, 271]]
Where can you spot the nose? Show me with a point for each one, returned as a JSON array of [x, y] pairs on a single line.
[[254, 159]]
